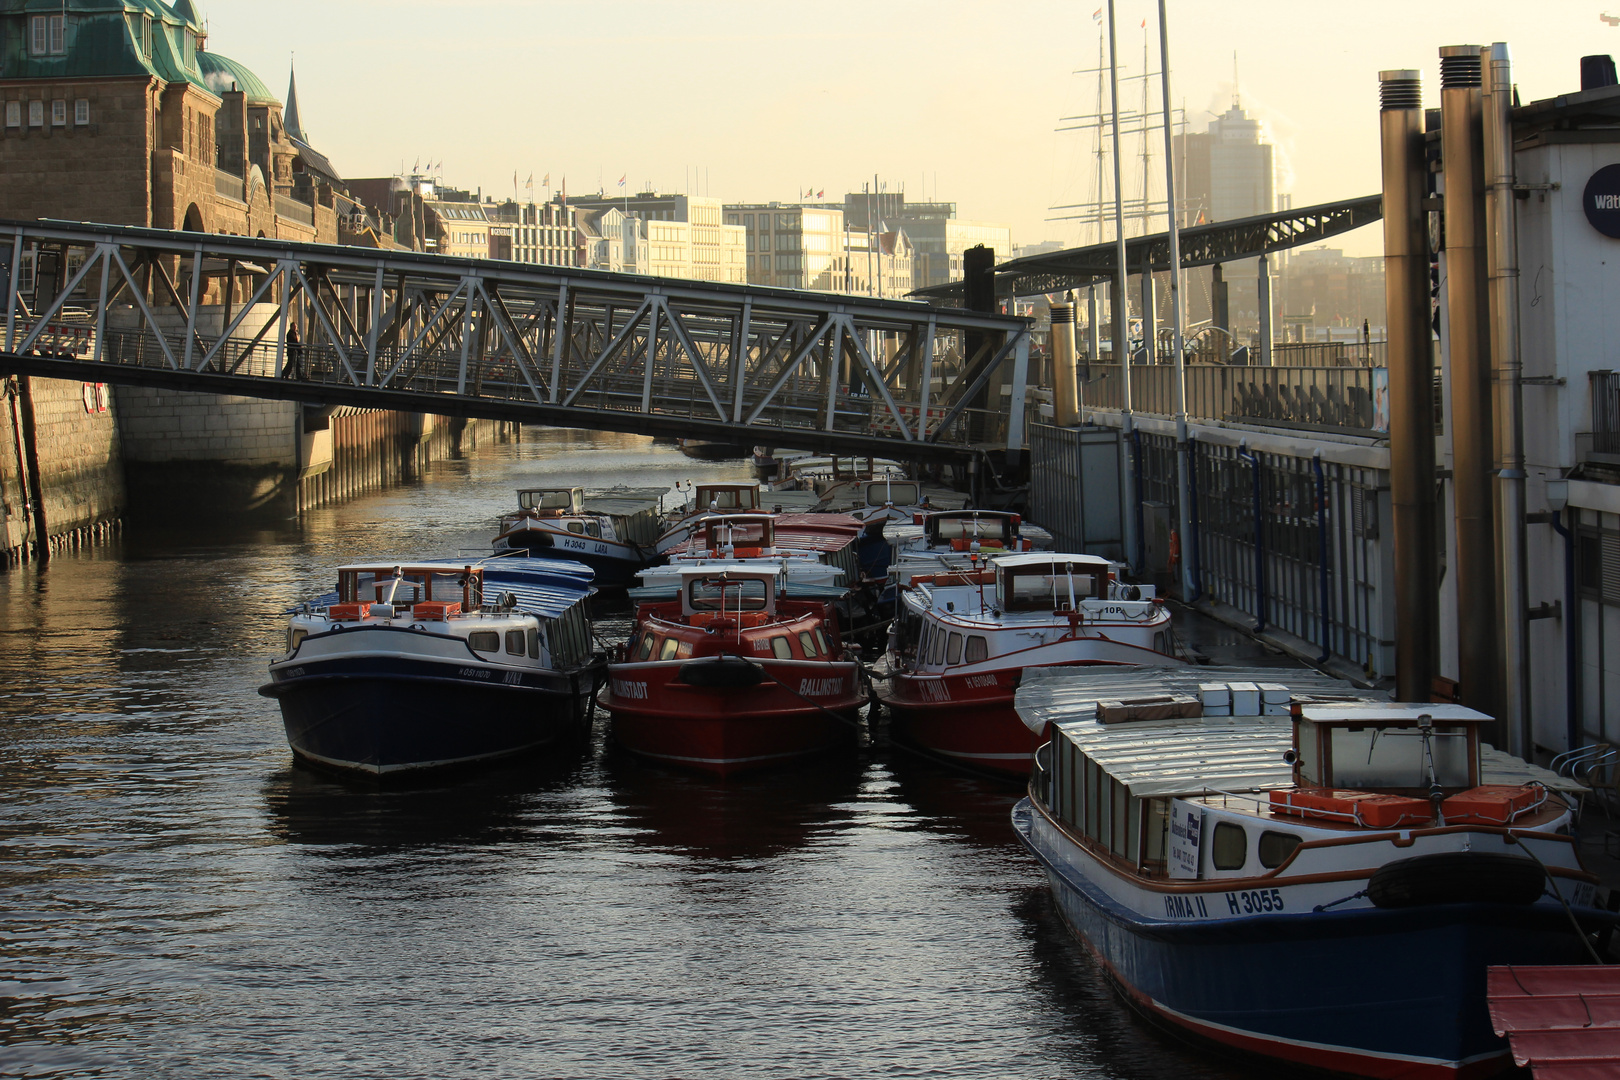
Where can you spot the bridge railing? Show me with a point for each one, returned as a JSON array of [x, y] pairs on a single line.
[[1334, 398]]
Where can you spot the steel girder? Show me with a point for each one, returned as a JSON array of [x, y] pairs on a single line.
[[406, 330], [1201, 245]]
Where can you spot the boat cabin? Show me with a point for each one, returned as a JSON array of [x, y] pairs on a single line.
[[725, 497], [960, 530], [1040, 582], [551, 502], [444, 586], [1393, 749], [888, 492]]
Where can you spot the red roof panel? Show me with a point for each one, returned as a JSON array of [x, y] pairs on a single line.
[[1563, 1022]]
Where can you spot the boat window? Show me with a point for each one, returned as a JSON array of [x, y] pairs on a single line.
[[1275, 847], [821, 642], [781, 647], [667, 652], [953, 653], [646, 647], [1310, 771], [294, 637], [807, 643], [534, 643], [939, 645], [1230, 848], [978, 649], [907, 494], [514, 642], [545, 500], [1093, 776], [593, 529], [484, 641], [576, 526], [1124, 842], [719, 594], [1374, 757], [1158, 828]]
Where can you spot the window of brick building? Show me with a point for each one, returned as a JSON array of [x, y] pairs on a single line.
[[36, 114], [58, 113], [13, 114], [81, 112], [58, 35]]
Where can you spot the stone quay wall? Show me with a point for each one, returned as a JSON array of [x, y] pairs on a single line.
[[61, 472]]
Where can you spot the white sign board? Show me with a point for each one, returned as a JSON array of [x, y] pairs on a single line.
[[1186, 830]]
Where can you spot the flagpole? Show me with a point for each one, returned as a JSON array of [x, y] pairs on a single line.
[[1184, 463], [1122, 343]]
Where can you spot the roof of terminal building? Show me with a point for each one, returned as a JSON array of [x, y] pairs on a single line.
[[104, 39], [1201, 245], [222, 74]]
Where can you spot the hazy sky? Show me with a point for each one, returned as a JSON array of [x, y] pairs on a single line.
[[760, 99]]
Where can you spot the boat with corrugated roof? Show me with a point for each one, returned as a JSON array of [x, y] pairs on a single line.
[[414, 666], [613, 533], [1319, 876]]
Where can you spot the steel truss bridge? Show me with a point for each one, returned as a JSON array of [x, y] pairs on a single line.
[[330, 325]]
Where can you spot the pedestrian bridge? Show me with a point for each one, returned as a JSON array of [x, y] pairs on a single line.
[[331, 325]]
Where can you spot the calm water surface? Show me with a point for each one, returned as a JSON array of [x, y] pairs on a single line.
[[178, 899]]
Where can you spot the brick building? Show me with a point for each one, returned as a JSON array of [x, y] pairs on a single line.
[[115, 111]]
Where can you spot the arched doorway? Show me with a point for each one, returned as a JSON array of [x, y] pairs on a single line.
[[194, 220]]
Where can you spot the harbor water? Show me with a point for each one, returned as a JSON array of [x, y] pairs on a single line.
[[181, 900]]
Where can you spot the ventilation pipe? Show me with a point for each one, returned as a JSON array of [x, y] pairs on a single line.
[[1065, 389], [1411, 410], [1502, 248], [1468, 343]]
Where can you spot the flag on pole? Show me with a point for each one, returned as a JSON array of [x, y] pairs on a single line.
[[822, 194], [1144, 24], [623, 178], [1096, 16], [546, 182]]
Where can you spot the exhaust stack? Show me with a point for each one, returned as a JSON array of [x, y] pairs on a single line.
[[1462, 153], [1411, 411], [1065, 388]]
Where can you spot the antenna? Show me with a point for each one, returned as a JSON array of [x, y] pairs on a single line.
[[1235, 96]]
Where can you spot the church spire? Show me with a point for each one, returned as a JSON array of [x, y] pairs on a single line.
[[289, 115]]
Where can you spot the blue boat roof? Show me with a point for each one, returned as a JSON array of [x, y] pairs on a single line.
[[544, 587]]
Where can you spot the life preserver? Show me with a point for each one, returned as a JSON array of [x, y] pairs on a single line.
[[1175, 547]]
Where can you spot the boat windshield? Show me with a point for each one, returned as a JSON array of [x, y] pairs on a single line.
[[724, 531], [546, 500], [901, 493], [1393, 757], [727, 498], [382, 586], [722, 594], [968, 528], [1049, 589]]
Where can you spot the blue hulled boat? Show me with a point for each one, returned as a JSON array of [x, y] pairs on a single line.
[[424, 665], [1326, 888]]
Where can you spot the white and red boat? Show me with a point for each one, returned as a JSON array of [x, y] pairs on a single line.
[[961, 640], [948, 532], [734, 675]]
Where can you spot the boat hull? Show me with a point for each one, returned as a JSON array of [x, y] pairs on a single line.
[[615, 565], [1394, 994], [378, 716], [725, 730], [968, 717]]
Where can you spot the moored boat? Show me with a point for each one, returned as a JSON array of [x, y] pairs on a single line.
[[612, 536], [733, 675], [961, 640], [422, 665], [1325, 888]]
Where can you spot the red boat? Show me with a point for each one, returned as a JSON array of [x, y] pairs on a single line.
[[733, 675], [961, 641]]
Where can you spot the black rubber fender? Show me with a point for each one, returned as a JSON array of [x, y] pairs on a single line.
[[1457, 877], [721, 672]]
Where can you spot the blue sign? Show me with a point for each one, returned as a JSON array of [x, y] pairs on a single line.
[[1601, 199]]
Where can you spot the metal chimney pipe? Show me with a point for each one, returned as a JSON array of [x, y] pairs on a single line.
[[1462, 154], [1065, 387], [1501, 212], [1411, 409]]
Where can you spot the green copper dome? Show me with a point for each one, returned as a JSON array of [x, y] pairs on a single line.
[[221, 72]]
